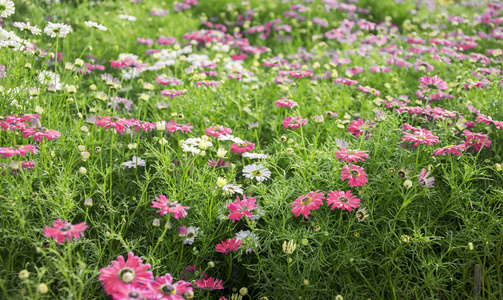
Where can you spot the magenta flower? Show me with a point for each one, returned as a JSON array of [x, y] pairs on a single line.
[[130, 292], [356, 175], [242, 147], [420, 137], [119, 124], [172, 93], [209, 284], [477, 140], [218, 163], [241, 208], [172, 126], [17, 150], [41, 132], [432, 83], [343, 200], [229, 246], [452, 149], [165, 206], [64, 230], [283, 102], [293, 122], [12, 124], [358, 127], [351, 155], [124, 273], [424, 181], [217, 131], [163, 288], [304, 204], [137, 124]]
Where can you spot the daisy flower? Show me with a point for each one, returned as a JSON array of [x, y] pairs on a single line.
[[241, 208], [255, 155], [163, 288], [283, 102], [119, 124], [356, 175], [362, 214], [41, 132], [351, 155], [17, 150], [432, 83], [249, 240], [256, 171], [62, 230], [218, 163], [229, 245], [420, 137], [231, 189], [57, 29], [6, 8], [27, 27], [477, 140], [343, 200], [165, 206], [191, 149], [358, 127], [135, 161], [95, 25], [130, 292], [124, 273], [451, 149], [216, 131], [209, 284], [293, 122], [423, 179], [241, 147], [304, 204]]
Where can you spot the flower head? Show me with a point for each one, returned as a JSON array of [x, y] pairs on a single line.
[[242, 146], [163, 288], [293, 122], [343, 200], [124, 273], [62, 230], [358, 127], [229, 245], [135, 161], [40, 132], [351, 155], [17, 150], [166, 206], [434, 82], [423, 179], [241, 208], [6, 8], [209, 284], [249, 240], [257, 171], [57, 30], [355, 174], [304, 204]]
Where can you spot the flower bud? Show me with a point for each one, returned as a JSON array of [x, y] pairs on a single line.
[[42, 288], [82, 170], [156, 223], [221, 152], [24, 274], [221, 182], [85, 155], [407, 183], [243, 291], [88, 202]]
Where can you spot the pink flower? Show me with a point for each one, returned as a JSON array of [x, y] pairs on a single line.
[[124, 273], [477, 140], [343, 200], [356, 175], [351, 155], [424, 181], [172, 93], [12, 124], [17, 150], [229, 246], [173, 126], [241, 208], [145, 126], [167, 206], [118, 123], [64, 230], [163, 288], [22, 117], [293, 122], [217, 131], [209, 284], [304, 204], [182, 231], [420, 137], [432, 83], [452, 149], [283, 102], [41, 132], [130, 292], [242, 147], [358, 127]]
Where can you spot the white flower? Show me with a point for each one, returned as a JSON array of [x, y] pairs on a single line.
[[233, 189], [256, 171], [255, 155], [191, 149], [135, 161], [6, 8], [249, 239], [48, 77], [129, 18], [26, 26], [192, 233], [57, 29], [95, 25]]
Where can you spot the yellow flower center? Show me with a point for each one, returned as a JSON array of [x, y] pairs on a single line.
[[168, 289], [355, 173], [343, 200], [306, 200], [126, 275]]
